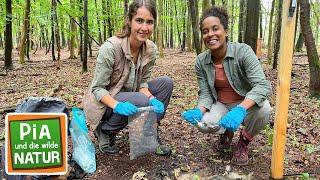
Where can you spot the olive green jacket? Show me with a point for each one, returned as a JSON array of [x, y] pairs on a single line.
[[113, 74], [243, 71]]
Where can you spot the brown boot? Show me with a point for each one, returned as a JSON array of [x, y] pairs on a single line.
[[224, 142], [240, 155]]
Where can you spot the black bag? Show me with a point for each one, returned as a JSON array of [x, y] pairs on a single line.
[[42, 104]]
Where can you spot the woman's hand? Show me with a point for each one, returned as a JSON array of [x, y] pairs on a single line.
[[233, 118], [158, 106], [193, 116], [125, 109]]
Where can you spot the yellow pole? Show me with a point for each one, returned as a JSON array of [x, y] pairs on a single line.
[[283, 90]]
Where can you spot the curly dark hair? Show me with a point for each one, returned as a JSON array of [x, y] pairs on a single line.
[[218, 12]]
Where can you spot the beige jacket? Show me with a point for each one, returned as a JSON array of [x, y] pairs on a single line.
[[112, 72]]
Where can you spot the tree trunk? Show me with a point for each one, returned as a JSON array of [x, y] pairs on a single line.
[[8, 42], [56, 31], [85, 43], [178, 29], [73, 32], [160, 28], [299, 43], [110, 26], [252, 23], [270, 40], [63, 38], [104, 20], [260, 22], [194, 20], [242, 20], [232, 21], [277, 41], [24, 32], [98, 22], [171, 42], [189, 35], [28, 42], [213, 2], [125, 8], [183, 43], [52, 33], [205, 5], [313, 57], [80, 48]]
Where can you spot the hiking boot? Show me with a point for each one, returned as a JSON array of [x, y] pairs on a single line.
[[240, 155], [224, 142], [162, 150], [107, 141]]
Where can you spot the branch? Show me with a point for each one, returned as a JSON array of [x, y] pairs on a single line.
[[79, 24]]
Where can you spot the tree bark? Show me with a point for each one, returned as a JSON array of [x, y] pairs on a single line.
[[277, 41], [63, 38], [85, 43], [178, 29], [183, 43], [194, 20], [24, 32], [189, 35], [110, 27], [232, 21], [8, 42], [104, 21], [205, 5], [98, 22], [73, 32], [160, 28], [242, 20], [313, 57], [56, 31], [125, 9], [252, 23], [260, 22], [270, 40], [299, 43]]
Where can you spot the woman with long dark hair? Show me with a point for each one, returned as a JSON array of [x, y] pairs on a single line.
[[121, 80]]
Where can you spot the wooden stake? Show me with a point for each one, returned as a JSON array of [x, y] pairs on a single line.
[[283, 90]]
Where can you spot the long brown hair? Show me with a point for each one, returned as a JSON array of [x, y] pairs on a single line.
[[133, 8]]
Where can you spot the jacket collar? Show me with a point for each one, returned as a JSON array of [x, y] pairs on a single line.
[[125, 44], [229, 53]]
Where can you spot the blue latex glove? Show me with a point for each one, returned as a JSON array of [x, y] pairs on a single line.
[[125, 109], [193, 116], [158, 106], [233, 118]]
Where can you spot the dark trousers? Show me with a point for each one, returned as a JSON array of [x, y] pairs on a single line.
[[160, 87]]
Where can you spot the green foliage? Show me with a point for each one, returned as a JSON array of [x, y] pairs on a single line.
[[269, 133], [310, 148], [305, 176], [294, 140]]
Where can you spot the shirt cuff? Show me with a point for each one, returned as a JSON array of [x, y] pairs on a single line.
[[144, 85], [100, 93]]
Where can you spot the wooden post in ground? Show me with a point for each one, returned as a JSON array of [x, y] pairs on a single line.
[[283, 90]]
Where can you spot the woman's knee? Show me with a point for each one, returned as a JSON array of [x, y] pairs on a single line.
[[167, 81], [217, 111], [136, 98]]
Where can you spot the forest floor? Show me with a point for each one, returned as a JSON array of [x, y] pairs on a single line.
[[194, 154]]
